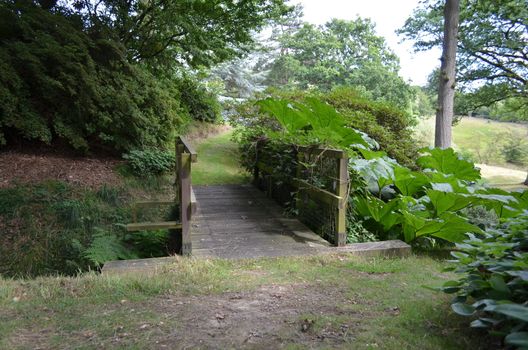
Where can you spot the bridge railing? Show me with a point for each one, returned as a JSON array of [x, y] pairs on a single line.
[[316, 187], [185, 156], [184, 200]]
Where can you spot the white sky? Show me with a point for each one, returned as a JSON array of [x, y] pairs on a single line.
[[388, 15]]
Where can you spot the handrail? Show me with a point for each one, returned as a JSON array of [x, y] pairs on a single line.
[[188, 148], [185, 155], [338, 199], [327, 152]]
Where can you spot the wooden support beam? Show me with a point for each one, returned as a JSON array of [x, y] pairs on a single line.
[[187, 147], [342, 192], [318, 193], [185, 207], [143, 226], [325, 152]]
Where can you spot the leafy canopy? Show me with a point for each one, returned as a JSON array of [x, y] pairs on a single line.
[[492, 45]]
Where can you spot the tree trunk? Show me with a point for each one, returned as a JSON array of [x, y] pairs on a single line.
[[446, 88], [526, 181]]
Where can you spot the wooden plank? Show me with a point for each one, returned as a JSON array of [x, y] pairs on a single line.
[[342, 191], [162, 225], [185, 206], [318, 193], [188, 148], [326, 152], [193, 202]]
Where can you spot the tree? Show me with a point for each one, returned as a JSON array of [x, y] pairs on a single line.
[[180, 32], [446, 85], [336, 54], [492, 46]]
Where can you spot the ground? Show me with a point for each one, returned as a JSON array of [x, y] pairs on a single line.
[[294, 303], [336, 301]]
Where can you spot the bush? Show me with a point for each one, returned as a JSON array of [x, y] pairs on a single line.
[[494, 282], [387, 124], [150, 162], [514, 150], [60, 83], [197, 102]]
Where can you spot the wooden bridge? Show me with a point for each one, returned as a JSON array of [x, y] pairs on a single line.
[[241, 221]]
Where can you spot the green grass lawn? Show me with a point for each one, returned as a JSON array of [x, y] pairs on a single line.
[[482, 140], [316, 302], [479, 137], [218, 162]]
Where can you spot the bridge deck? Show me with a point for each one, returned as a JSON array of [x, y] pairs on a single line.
[[239, 221]]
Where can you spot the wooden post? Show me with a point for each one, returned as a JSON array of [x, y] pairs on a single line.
[[298, 199], [185, 203], [256, 168], [179, 151], [341, 191]]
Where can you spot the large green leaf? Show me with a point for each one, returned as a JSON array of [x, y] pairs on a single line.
[[447, 161], [512, 310], [448, 226], [448, 201], [289, 118], [377, 172], [383, 213], [409, 182], [519, 339]]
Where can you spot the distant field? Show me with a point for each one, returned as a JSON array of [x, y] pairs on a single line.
[[482, 140]]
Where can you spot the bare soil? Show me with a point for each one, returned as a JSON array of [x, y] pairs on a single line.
[[271, 317], [20, 167]]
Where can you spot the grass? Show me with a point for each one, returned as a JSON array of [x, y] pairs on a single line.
[[482, 141], [218, 162], [382, 301]]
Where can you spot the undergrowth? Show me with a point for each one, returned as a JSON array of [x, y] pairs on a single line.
[[57, 228]]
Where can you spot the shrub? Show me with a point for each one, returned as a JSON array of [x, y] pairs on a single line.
[[387, 124], [60, 83], [150, 162], [197, 102], [494, 282], [514, 149]]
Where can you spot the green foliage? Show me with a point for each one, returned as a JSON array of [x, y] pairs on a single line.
[[59, 82], [514, 150], [55, 228], [106, 247], [385, 123], [494, 282], [197, 102], [339, 53], [448, 163], [429, 206], [148, 162], [491, 49], [149, 244]]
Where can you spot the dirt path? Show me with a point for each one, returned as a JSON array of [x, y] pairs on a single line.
[[501, 175], [272, 317]]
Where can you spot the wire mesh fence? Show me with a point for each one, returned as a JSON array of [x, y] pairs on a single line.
[[306, 183]]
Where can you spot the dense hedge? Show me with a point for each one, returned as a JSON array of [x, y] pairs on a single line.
[[59, 81], [388, 125]]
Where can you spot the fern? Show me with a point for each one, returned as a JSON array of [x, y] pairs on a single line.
[[106, 247]]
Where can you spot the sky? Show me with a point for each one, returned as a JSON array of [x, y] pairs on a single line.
[[388, 15]]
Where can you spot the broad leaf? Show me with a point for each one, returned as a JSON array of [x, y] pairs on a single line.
[[409, 182], [447, 161], [448, 201]]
